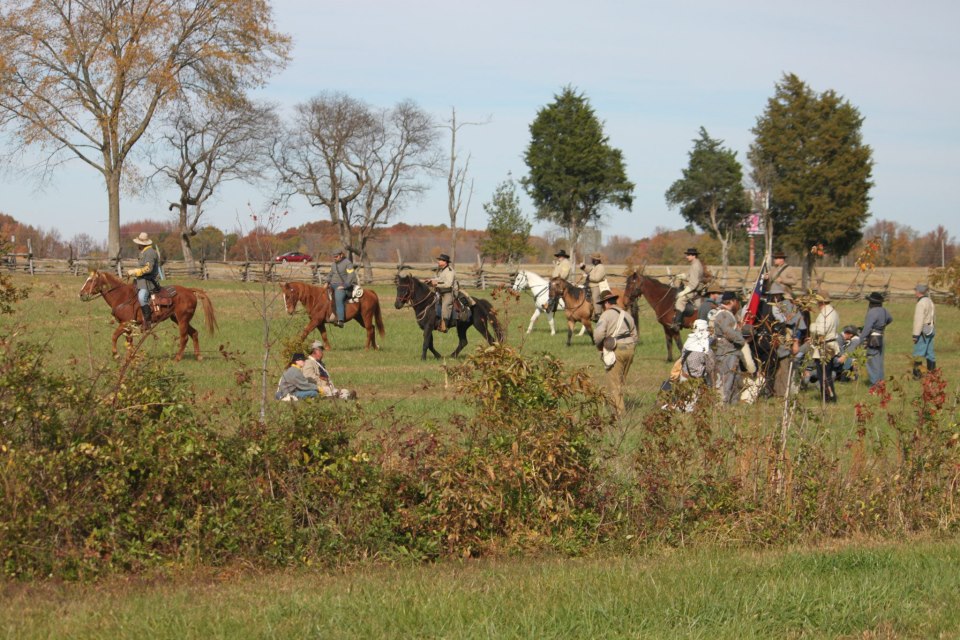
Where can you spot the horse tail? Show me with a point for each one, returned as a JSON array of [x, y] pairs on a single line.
[[378, 318], [488, 317], [208, 316]]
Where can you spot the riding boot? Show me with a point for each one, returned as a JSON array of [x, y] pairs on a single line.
[[916, 369], [677, 320], [931, 365], [147, 316]]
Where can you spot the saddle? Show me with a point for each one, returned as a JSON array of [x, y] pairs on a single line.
[[163, 297]]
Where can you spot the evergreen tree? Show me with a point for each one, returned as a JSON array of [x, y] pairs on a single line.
[[574, 171], [508, 230], [816, 168], [710, 194]]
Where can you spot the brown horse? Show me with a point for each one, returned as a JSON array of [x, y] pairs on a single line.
[[319, 305], [121, 297], [661, 298], [577, 307]]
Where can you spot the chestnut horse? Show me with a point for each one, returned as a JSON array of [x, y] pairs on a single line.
[[661, 298], [577, 307], [319, 306], [121, 297]]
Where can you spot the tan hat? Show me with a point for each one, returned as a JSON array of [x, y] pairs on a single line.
[[316, 345], [823, 296], [143, 239], [607, 296]]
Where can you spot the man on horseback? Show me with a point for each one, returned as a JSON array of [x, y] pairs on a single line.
[[342, 279], [146, 273], [445, 282], [693, 280], [562, 267], [596, 280], [781, 273]]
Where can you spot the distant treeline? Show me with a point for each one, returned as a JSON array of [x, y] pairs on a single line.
[[894, 244]]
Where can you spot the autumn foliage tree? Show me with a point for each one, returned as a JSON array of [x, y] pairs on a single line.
[[86, 79]]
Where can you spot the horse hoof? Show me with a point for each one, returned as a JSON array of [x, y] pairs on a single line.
[[199, 358]]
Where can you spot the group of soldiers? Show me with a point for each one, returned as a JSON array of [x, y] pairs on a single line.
[[782, 345]]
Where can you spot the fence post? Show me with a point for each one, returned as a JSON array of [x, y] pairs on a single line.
[[244, 276]]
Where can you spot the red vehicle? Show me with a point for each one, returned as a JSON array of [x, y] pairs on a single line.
[[293, 256]]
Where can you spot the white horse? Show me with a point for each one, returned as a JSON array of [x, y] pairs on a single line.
[[540, 290]]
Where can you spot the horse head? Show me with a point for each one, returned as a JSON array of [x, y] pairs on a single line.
[[290, 296], [404, 291], [520, 281], [557, 287], [92, 286], [632, 289]]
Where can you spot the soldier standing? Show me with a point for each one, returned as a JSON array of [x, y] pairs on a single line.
[[729, 341], [823, 336], [871, 335], [924, 326], [617, 324]]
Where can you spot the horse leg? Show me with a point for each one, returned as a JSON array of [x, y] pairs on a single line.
[[461, 338], [428, 343], [368, 325], [195, 336], [322, 328], [121, 328], [533, 318], [570, 325], [669, 339], [553, 324]]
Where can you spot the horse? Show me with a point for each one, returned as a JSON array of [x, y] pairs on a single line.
[[540, 290], [661, 298], [423, 300], [121, 297], [577, 307], [317, 301]]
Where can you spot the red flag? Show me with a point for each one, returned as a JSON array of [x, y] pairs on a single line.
[[753, 306]]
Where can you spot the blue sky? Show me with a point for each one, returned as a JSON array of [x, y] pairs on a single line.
[[654, 73]]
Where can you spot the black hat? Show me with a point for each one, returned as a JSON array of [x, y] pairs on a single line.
[[561, 254], [444, 257], [607, 296], [779, 254], [297, 356], [692, 251], [850, 329], [875, 298], [728, 296]]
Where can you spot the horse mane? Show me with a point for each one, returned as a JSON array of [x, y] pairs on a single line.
[[112, 279]]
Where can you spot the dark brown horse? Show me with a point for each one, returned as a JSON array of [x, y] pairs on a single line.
[[319, 306], [661, 298], [423, 300], [122, 299], [576, 306]]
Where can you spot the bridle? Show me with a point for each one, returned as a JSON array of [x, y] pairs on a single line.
[[98, 291], [565, 288], [407, 298]]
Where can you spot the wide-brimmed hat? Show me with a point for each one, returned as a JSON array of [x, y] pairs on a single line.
[[607, 296], [822, 296], [143, 239], [875, 297], [316, 344], [714, 288], [596, 256], [776, 289], [443, 257], [921, 288], [692, 251], [779, 254], [561, 254]]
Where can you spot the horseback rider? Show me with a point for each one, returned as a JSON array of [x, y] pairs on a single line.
[[596, 280], [342, 279], [693, 279], [146, 274], [781, 273], [562, 267], [445, 283]]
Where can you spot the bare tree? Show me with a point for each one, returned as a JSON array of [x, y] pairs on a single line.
[[206, 145], [86, 79], [357, 162], [402, 150], [456, 179]]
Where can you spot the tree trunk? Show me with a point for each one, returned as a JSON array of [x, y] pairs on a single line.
[[453, 240], [365, 261], [113, 199], [187, 249], [807, 270], [724, 239]]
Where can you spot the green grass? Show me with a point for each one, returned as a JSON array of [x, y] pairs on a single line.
[[863, 591]]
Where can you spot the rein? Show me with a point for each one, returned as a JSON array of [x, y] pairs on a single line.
[[407, 298]]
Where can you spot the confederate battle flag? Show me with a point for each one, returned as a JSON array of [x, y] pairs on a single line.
[[753, 305]]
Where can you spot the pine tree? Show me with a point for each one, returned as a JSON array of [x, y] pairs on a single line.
[[508, 230]]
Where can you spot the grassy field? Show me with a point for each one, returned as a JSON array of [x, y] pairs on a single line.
[[852, 591], [394, 376]]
